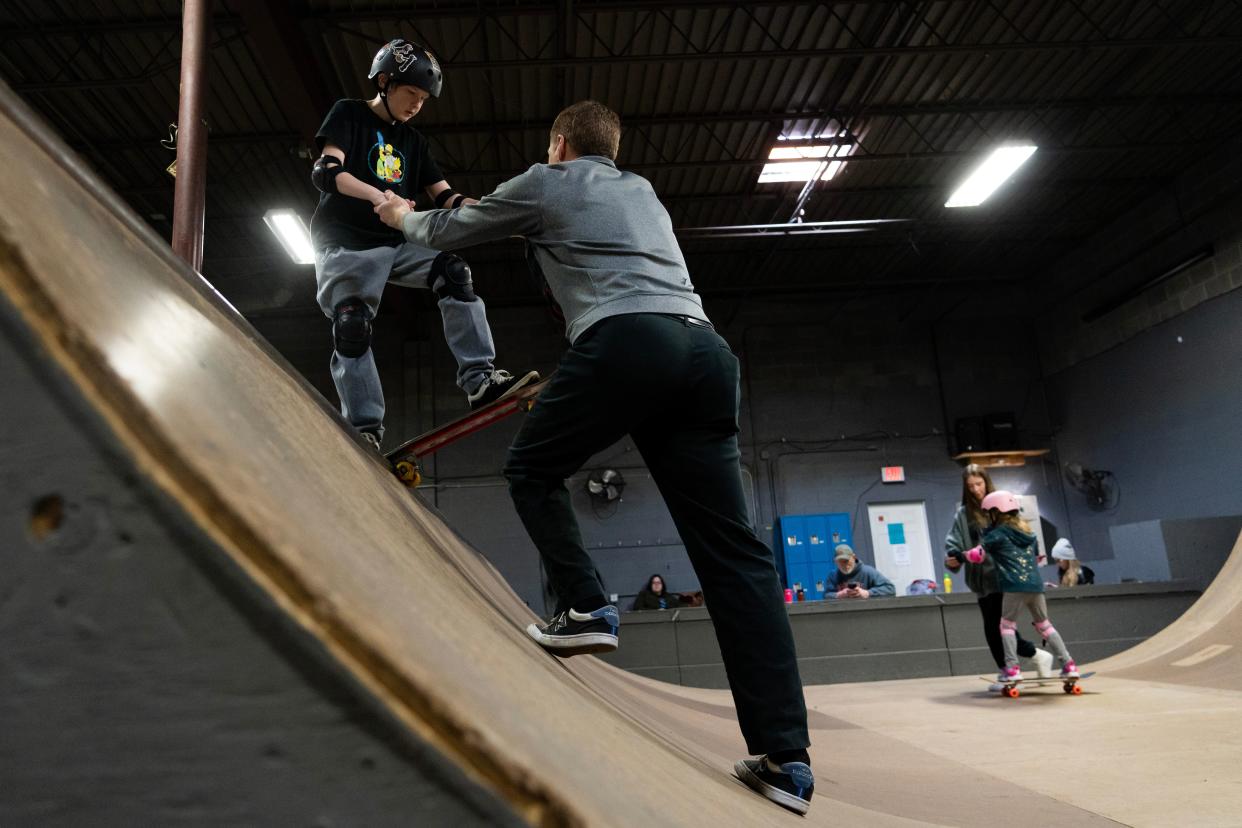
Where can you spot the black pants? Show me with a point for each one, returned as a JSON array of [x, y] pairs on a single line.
[[673, 387], [990, 607]]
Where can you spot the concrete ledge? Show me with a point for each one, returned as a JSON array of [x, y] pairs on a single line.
[[898, 638]]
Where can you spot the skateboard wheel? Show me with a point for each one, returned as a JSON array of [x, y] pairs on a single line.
[[407, 473], [1075, 690], [1012, 692]]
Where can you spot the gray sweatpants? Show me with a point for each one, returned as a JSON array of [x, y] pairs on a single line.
[[1038, 607], [343, 274]]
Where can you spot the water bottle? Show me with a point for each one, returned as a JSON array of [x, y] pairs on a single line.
[[948, 584]]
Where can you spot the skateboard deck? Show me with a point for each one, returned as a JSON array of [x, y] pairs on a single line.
[[1010, 688], [404, 458]]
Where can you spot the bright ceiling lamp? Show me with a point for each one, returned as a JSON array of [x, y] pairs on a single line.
[[989, 175], [291, 230], [802, 163]]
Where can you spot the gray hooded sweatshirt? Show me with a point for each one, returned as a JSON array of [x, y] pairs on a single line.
[[604, 242]]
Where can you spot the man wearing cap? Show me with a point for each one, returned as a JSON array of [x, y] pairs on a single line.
[[854, 579]]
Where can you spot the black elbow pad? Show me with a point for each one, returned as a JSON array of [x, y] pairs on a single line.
[[324, 173]]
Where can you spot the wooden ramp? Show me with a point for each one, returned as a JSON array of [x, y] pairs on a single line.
[[219, 608]]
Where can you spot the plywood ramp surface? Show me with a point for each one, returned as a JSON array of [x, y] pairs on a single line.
[[377, 579], [1203, 647]]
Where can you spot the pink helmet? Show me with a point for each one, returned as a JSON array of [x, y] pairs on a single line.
[[1002, 500]]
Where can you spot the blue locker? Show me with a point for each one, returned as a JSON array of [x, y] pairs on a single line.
[[805, 547]]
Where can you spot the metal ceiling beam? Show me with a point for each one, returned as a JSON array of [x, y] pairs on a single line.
[[1116, 183], [896, 109], [887, 109], [875, 157], [1081, 46], [474, 9]]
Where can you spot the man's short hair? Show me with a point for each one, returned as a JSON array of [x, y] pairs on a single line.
[[590, 128]]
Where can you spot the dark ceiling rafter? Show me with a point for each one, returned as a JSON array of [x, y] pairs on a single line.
[[911, 109], [930, 49], [875, 157], [529, 64], [887, 109]]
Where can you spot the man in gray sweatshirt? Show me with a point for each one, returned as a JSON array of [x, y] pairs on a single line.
[[643, 360]]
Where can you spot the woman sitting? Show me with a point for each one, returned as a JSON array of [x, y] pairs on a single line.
[[655, 596], [1072, 573]]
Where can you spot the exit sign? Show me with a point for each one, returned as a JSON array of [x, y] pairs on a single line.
[[893, 474]]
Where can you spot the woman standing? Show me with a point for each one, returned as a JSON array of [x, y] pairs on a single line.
[[969, 524]]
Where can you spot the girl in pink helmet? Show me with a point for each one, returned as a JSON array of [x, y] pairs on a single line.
[[1012, 546]]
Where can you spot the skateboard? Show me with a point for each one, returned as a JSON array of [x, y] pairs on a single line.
[[1009, 689], [404, 458]]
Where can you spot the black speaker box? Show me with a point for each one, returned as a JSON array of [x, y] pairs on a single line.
[[970, 434], [1001, 431]]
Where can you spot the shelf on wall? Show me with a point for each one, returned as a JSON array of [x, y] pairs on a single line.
[[992, 459]]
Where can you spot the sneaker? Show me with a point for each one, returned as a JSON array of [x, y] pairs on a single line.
[[497, 386], [372, 440], [574, 633], [1043, 663], [790, 785], [1070, 670], [1011, 674]]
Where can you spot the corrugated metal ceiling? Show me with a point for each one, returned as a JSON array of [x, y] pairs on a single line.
[[1120, 96]]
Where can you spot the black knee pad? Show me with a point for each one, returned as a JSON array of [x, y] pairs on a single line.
[[450, 276], [351, 328]]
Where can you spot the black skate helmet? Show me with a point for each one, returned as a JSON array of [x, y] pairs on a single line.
[[406, 62]]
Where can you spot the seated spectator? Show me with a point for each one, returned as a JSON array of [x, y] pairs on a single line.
[[655, 596], [1072, 573], [854, 579]]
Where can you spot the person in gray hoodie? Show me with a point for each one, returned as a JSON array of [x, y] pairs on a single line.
[[643, 360], [851, 578]]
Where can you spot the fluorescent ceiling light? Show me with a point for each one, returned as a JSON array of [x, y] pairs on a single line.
[[291, 230], [803, 163], [989, 175]]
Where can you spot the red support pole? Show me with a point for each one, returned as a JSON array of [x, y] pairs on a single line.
[[190, 195]]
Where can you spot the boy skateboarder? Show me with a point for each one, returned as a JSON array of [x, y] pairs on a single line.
[[643, 360], [369, 150]]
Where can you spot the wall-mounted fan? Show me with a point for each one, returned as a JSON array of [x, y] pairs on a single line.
[[605, 486], [1102, 491]]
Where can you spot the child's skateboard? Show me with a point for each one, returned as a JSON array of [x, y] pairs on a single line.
[[404, 458], [1010, 688]]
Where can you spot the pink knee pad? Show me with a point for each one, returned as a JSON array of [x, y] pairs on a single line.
[[1045, 628], [1008, 627]]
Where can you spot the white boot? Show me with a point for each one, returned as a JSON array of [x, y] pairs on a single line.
[[1043, 663]]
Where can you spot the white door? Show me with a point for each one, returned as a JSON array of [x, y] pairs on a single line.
[[1030, 513], [900, 540]]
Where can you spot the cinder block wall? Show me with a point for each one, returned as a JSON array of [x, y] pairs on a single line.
[[1152, 390]]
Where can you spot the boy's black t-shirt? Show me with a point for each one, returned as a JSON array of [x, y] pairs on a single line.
[[387, 156]]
